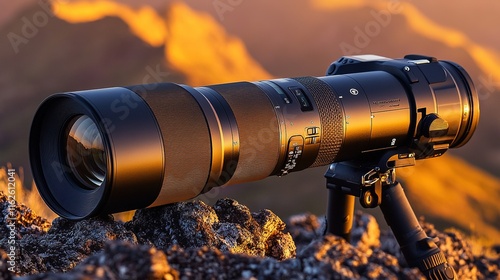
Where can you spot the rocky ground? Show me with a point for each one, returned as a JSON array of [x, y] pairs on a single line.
[[192, 240]]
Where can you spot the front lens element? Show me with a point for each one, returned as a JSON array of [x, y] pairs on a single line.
[[85, 153]]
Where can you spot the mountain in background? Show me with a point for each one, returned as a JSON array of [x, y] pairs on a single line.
[[287, 40]]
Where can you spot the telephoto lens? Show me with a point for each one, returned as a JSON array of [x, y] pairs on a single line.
[[116, 149]]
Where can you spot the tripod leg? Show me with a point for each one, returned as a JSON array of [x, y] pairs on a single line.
[[419, 250], [340, 214]]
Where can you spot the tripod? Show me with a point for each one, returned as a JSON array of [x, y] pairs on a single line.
[[373, 181]]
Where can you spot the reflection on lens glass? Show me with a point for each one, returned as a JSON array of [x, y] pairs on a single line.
[[85, 152]]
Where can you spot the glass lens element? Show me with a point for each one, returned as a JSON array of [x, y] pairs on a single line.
[[85, 153]]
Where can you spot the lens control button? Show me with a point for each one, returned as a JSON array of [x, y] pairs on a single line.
[[312, 130], [312, 140], [410, 74]]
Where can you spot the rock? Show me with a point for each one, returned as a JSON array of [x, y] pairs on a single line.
[[305, 228], [328, 257], [365, 233], [191, 240], [5, 274], [228, 226], [332, 255], [119, 260], [19, 220], [201, 263], [67, 243]]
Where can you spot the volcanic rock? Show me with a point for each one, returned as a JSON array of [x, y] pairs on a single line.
[[119, 260], [67, 243], [19, 217], [5, 274], [228, 226], [192, 240]]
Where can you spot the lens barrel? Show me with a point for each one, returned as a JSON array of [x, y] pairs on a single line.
[[116, 149]]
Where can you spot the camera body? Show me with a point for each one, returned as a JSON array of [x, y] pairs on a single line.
[[434, 104]]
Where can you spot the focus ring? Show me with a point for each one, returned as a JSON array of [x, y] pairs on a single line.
[[331, 116]]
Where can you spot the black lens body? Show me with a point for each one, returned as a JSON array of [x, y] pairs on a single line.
[[163, 143]]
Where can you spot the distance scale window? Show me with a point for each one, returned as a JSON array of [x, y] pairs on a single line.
[[305, 104], [295, 147]]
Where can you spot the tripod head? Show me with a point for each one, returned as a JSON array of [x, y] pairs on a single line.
[[365, 178]]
